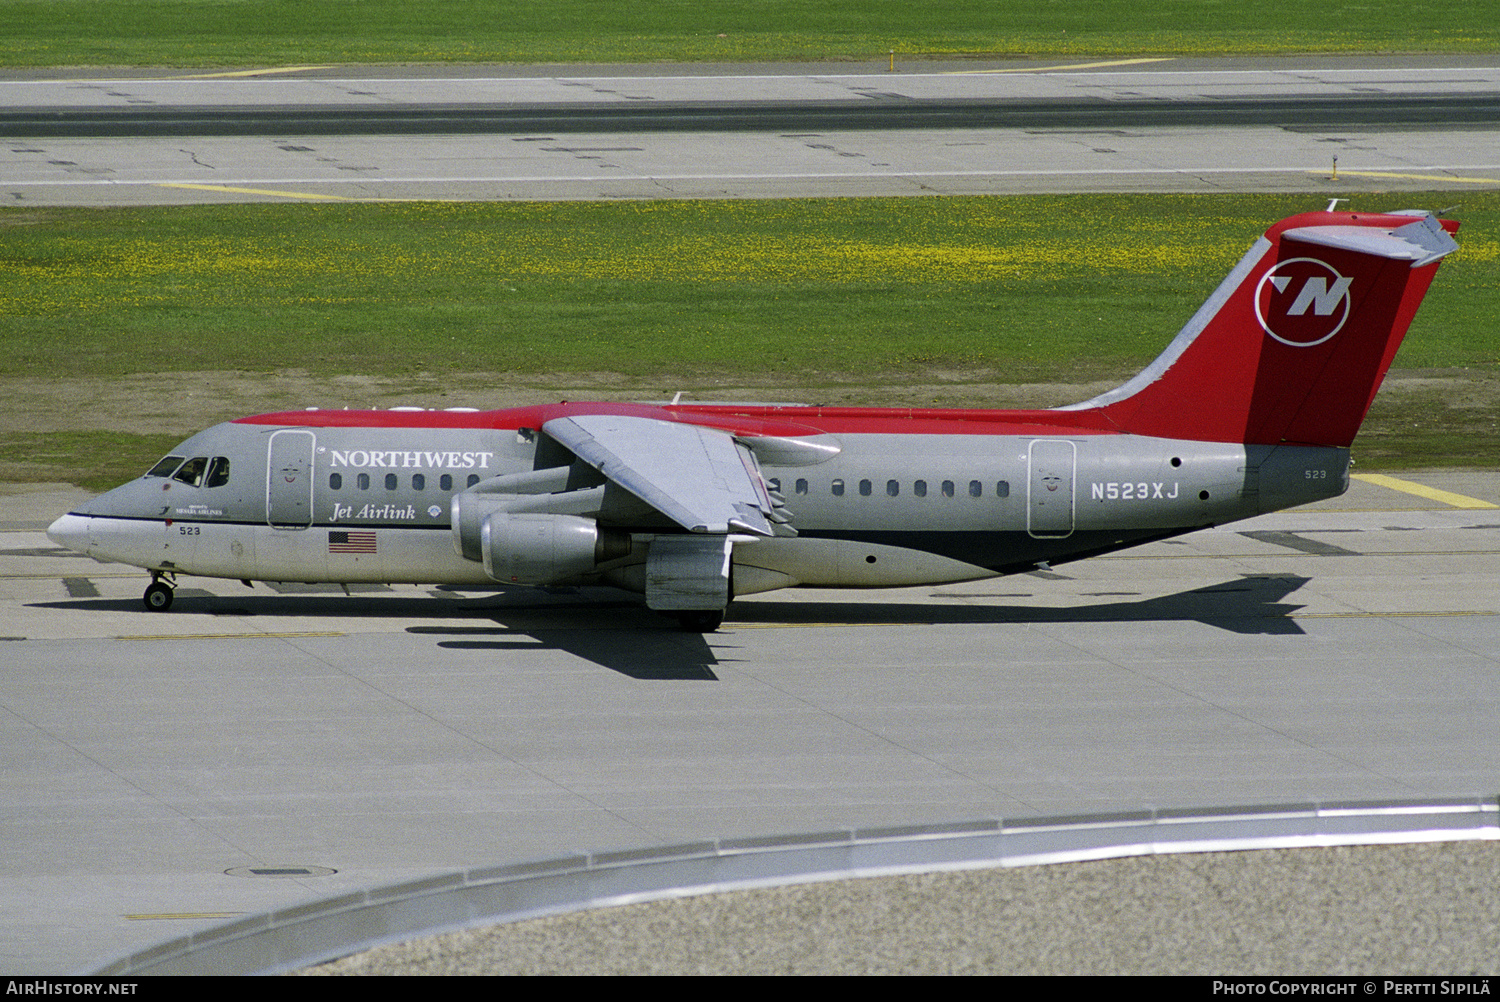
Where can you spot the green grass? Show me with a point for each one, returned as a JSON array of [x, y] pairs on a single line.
[[789, 294], [1023, 288], [95, 460], [1454, 422], [199, 33]]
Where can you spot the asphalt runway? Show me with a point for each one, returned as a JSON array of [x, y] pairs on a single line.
[[1342, 652], [953, 128]]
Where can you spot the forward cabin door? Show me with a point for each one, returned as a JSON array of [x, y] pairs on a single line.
[[1049, 492], [289, 480]]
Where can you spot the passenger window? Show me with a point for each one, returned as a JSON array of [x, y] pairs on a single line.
[[1002, 489], [774, 484], [418, 482], [166, 467], [801, 486], [192, 471], [390, 481], [363, 481], [335, 481], [976, 489], [892, 488], [473, 479], [838, 488], [218, 472], [865, 487], [947, 488], [919, 488], [445, 482]]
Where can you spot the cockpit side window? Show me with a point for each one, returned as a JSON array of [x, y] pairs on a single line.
[[165, 467], [218, 472], [192, 471]]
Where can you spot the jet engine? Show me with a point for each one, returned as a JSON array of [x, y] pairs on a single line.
[[536, 549], [468, 512]]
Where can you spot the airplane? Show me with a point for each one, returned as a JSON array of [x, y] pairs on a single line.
[[1250, 409]]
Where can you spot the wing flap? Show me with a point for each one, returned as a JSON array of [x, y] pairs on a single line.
[[700, 478]]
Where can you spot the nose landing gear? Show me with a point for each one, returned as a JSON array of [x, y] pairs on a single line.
[[158, 597]]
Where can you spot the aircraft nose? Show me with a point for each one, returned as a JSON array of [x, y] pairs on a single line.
[[71, 531]]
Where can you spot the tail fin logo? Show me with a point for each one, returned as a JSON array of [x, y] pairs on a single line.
[[1302, 302]]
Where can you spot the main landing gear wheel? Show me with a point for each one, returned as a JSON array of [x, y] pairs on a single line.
[[158, 597], [701, 621]]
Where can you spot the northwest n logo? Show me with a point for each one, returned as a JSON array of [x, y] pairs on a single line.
[[1302, 302]]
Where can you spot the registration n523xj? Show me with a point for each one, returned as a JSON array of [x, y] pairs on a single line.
[[1139, 491]]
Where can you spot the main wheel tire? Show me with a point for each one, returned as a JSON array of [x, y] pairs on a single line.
[[701, 621], [158, 597]]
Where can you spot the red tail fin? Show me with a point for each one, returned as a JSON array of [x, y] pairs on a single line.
[[1294, 344]]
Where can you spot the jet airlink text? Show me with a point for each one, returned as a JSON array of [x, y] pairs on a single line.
[[389, 512], [368, 459]]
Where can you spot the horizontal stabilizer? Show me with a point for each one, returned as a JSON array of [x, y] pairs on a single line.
[[1421, 242]]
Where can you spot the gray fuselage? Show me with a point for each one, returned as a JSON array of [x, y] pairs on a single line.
[[320, 502]]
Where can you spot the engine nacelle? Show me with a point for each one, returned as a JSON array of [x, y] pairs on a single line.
[[535, 549], [468, 512], [533, 492]]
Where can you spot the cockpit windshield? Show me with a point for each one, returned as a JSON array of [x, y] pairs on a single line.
[[200, 471], [218, 472], [191, 472], [165, 467]]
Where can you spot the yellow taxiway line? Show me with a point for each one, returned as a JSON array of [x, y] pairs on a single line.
[[1435, 614], [1411, 177], [257, 191], [1423, 491], [1074, 66], [252, 73]]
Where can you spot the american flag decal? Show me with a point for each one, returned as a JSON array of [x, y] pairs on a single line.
[[340, 541]]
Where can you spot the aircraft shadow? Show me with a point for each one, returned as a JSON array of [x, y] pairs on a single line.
[[601, 625], [334, 604], [618, 632], [646, 653], [1251, 605]]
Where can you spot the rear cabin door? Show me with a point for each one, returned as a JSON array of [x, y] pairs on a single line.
[[1049, 495], [289, 480]]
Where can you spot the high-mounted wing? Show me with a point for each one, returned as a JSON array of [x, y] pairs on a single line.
[[700, 478]]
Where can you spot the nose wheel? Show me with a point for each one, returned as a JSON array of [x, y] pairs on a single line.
[[158, 597]]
